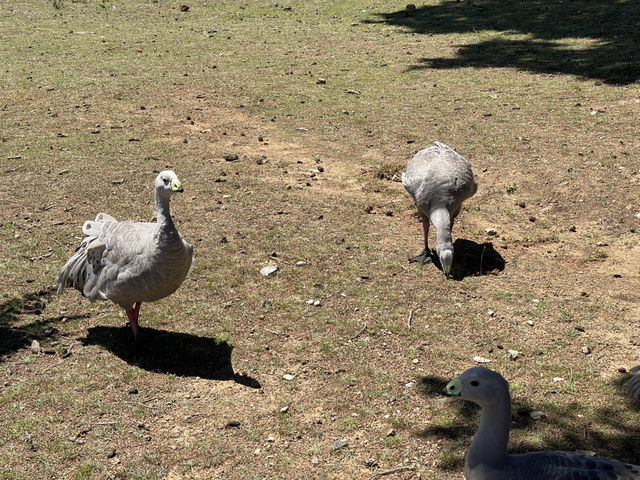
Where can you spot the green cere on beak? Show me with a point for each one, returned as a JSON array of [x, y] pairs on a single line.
[[176, 186], [454, 387]]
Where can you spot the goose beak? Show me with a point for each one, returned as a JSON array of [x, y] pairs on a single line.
[[176, 186], [454, 388]]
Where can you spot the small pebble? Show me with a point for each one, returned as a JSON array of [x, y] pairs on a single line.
[[513, 354], [340, 444], [284, 409], [492, 232], [572, 228], [268, 270], [391, 433], [558, 379], [35, 346], [479, 359], [586, 350], [530, 323], [491, 313], [536, 415], [288, 377]]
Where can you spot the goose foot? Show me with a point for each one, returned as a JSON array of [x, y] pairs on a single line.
[[424, 258]]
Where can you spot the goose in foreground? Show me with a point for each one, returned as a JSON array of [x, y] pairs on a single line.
[[633, 384], [439, 179], [487, 457], [131, 262]]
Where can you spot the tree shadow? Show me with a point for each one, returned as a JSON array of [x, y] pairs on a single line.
[[174, 353], [12, 337], [471, 259], [610, 431], [535, 35]]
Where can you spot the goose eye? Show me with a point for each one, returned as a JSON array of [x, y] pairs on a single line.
[[475, 383]]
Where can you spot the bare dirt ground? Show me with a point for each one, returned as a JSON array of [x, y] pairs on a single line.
[[240, 376]]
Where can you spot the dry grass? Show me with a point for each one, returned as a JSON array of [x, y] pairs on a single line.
[[94, 100]]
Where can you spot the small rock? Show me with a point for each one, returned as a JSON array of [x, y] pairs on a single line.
[[532, 218], [268, 270], [558, 379], [530, 323], [317, 303], [536, 415], [231, 157], [340, 444], [232, 424], [35, 346], [572, 228], [321, 81], [260, 138], [522, 204], [492, 232], [112, 453], [586, 350], [410, 385], [491, 313], [288, 377], [580, 328], [284, 409], [300, 263], [513, 354], [370, 462], [479, 359], [184, 8], [391, 433], [622, 370], [133, 391], [271, 439], [257, 451]]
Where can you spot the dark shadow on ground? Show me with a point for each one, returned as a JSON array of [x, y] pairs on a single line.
[[14, 337], [175, 353], [562, 428], [532, 34], [471, 258]]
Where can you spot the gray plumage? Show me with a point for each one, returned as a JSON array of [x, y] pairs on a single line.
[[487, 457], [633, 383], [439, 179], [131, 262]]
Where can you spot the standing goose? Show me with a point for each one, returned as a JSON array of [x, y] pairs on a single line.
[[487, 457], [131, 262], [439, 179]]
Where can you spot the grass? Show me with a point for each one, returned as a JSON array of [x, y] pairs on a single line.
[[98, 95]]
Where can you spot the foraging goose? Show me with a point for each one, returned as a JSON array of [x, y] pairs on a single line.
[[439, 179], [633, 384], [131, 262], [487, 457]]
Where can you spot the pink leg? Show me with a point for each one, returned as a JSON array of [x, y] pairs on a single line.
[[133, 319]]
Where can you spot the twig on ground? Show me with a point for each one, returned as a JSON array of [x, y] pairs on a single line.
[[364, 327], [273, 332], [394, 470], [409, 319]]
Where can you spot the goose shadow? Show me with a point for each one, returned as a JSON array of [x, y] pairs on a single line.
[[473, 259], [174, 353]]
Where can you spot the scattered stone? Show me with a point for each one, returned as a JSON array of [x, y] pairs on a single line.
[[536, 415], [572, 228], [479, 359], [522, 204], [231, 157], [580, 328], [112, 453], [491, 313], [492, 232], [391, 433], [530, 323], [232, 424], [288, 377], [300, 263], [268, 270], [257, 451], [558, 379], [370, 463], [321, 81], [184, 8], [513, 354], [35, 346], [586, 350], [532, 219], [622, 370], [410, 385], [340, 444], [271, 439], [260, 138], [284, 409]]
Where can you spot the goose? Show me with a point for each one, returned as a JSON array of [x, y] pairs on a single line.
[[633, 384], [487, 457], [131, 262], [439, 179]]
